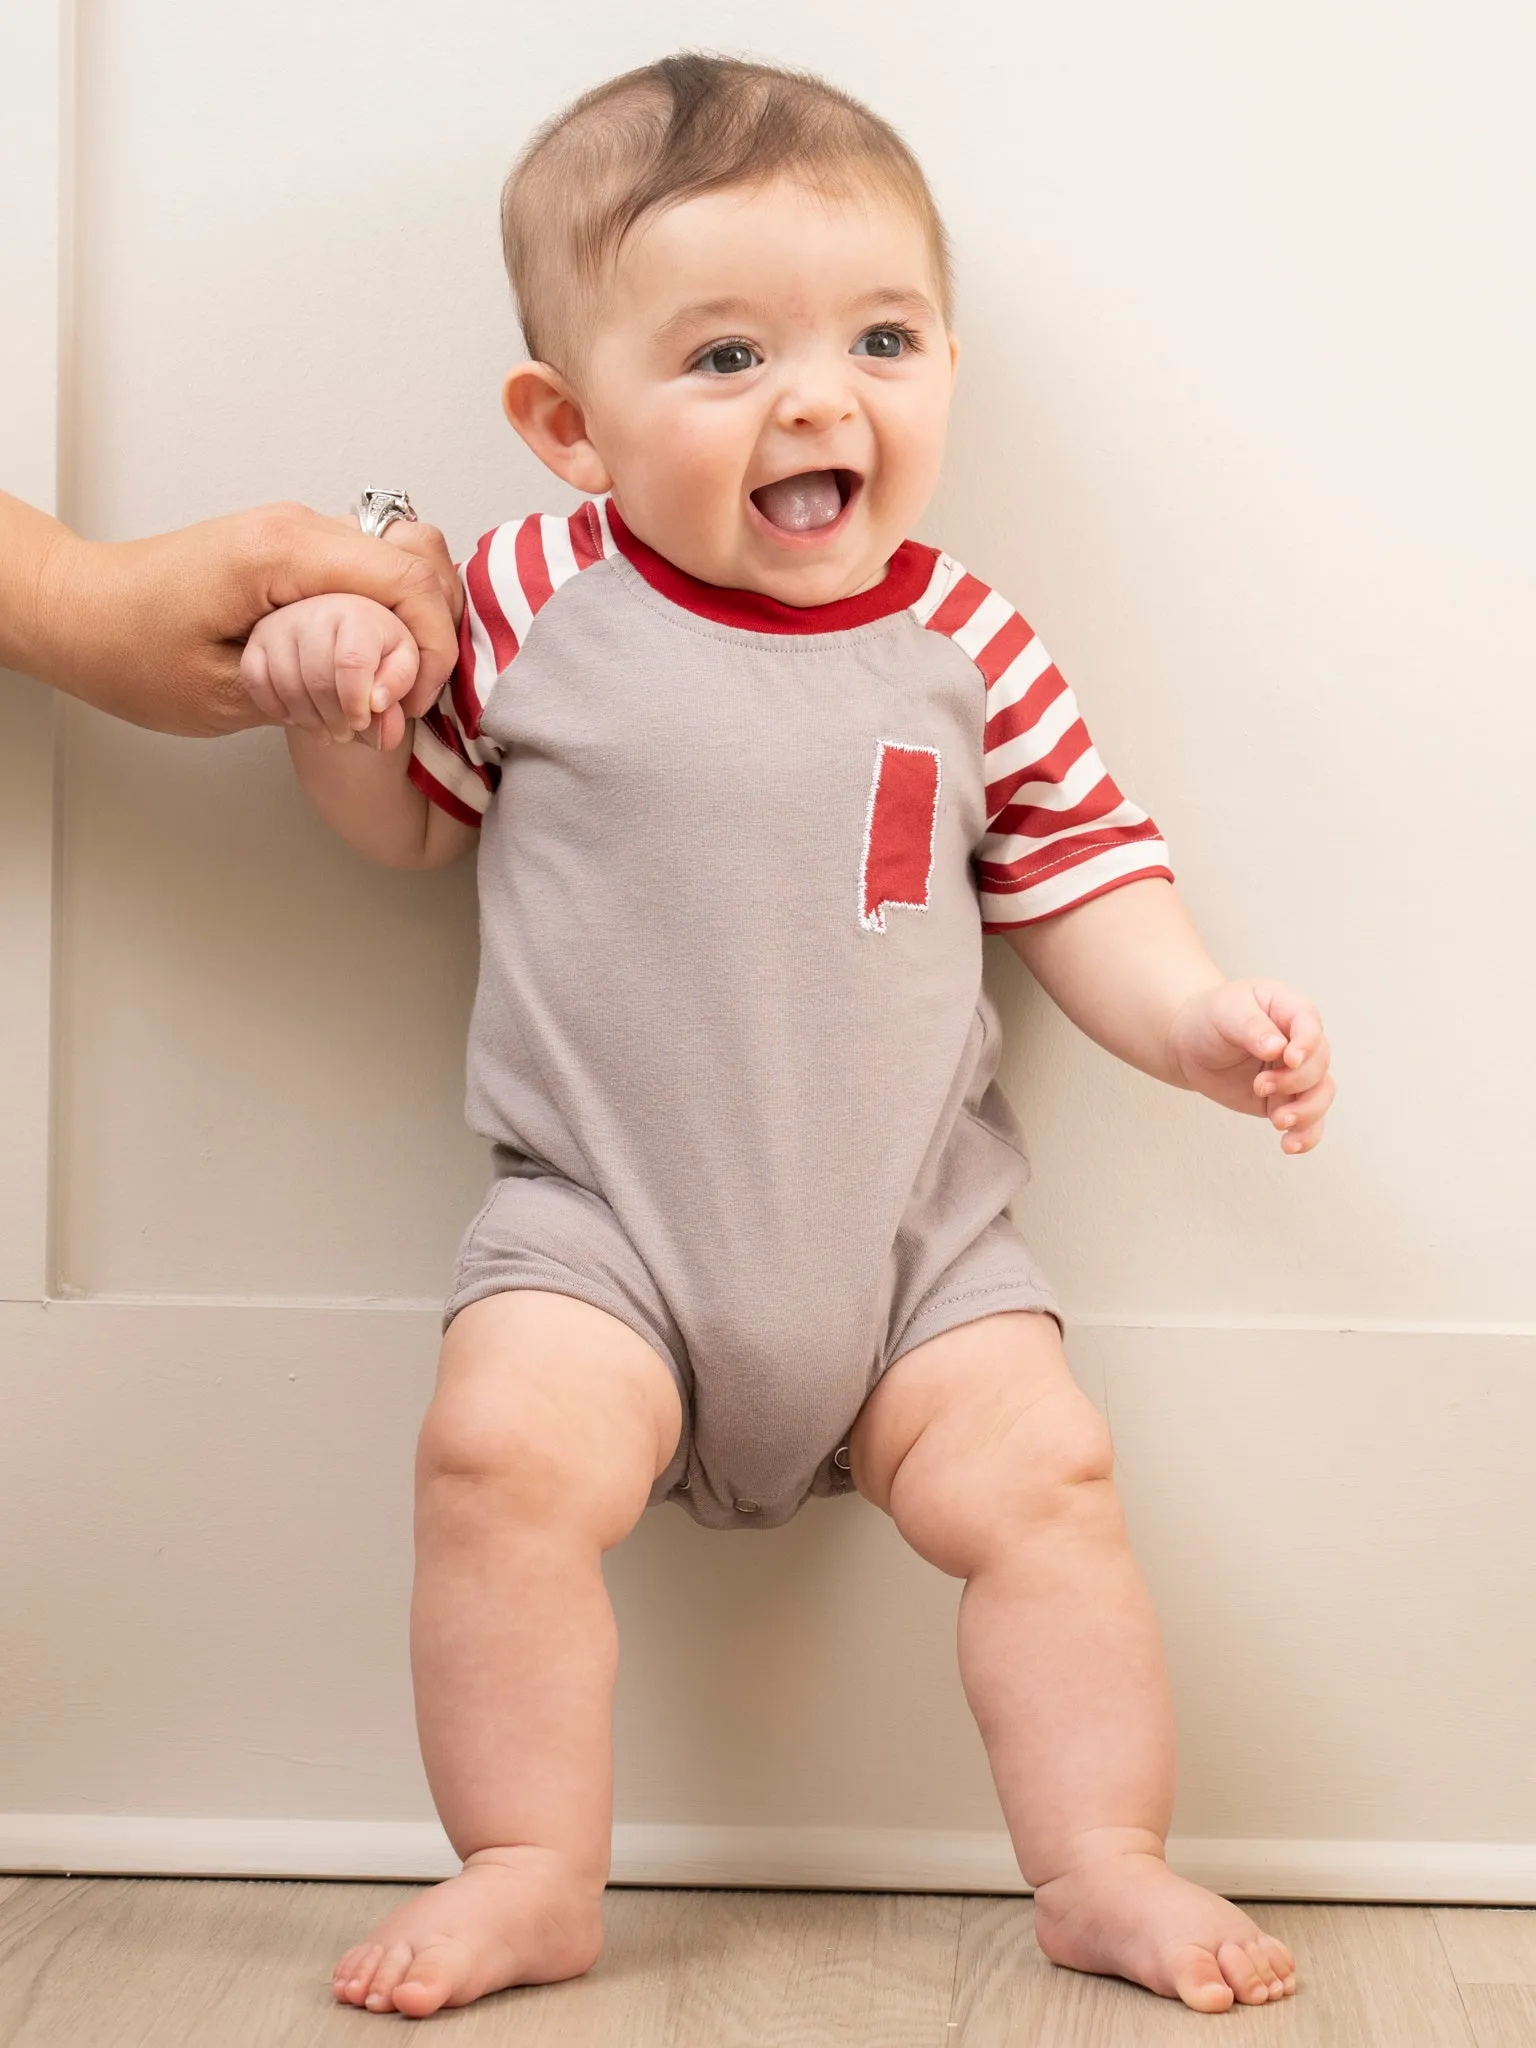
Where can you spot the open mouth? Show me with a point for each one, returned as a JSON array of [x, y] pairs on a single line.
[[809, 502]]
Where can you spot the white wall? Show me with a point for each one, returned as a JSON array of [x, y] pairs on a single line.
[[1246, 427]]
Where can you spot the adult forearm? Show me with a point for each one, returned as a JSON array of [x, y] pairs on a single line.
[[1121, 966], [32, 579], [128, 626]]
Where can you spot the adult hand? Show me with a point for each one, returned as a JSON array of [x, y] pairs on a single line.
[[152, 630]]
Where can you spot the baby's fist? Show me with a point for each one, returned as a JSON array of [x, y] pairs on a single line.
[[1257, 1046], [334, 666]]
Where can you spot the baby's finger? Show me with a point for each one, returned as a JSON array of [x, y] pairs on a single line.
[[258, 684], [1296, 1017], [1302, 1141], [1241, 1020], [288, 683], [1307, 1111], [395, 675], [1287, 1080], [359, 644], [397, 667], [317, 665]]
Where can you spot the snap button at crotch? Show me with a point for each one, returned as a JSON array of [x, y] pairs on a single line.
[[840, 1457], [747, 1507]]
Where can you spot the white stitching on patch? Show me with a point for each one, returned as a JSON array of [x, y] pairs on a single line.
[[875, 922]]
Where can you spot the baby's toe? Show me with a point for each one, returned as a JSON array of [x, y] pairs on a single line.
[[1264, 1963], [1198, 1979], [1247, 1970], [437, 1973], [1280, 1960], [354, 1973], [397, 1961]]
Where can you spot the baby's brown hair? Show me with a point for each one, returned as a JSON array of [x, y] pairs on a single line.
[[665, 133]]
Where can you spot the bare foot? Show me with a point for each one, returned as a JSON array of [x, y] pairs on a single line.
[[511, 1916], [1131, 1916]]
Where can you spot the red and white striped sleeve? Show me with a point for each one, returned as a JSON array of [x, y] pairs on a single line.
[[1059, 831], [511, 576]]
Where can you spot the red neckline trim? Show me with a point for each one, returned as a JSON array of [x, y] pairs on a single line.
[[907, 576]]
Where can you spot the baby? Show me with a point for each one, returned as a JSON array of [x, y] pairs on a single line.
[[750, 772]]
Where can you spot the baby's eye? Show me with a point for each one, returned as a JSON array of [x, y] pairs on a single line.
[[729, 358], [886, 343]]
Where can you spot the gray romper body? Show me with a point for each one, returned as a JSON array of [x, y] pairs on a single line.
[[730, 1041]]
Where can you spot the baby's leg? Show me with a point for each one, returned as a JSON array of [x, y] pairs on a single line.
[[550, 1422], [997, 1468]]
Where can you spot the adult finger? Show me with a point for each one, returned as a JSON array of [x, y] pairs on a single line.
[[427, 544]]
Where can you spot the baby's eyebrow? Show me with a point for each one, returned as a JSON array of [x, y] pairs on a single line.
[[894, 295], [708, 309]]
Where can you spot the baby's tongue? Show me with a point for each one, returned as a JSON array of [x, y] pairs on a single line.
[[800, 503]]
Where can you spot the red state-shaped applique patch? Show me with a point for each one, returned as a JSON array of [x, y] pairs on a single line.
[[899, 832]]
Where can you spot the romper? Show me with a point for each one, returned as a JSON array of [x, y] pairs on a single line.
[[730, 1042]]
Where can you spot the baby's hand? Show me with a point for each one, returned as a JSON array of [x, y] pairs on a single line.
[[1258, 1047], [336, 666]]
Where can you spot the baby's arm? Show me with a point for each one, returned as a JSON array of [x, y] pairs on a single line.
[[328, 664], [1130, 969]]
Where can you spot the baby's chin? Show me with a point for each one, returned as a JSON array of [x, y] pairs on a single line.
[[805, 576], [805, 589]]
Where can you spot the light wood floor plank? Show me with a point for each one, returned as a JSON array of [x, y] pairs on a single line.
[[795, 1969], [157, 1963], [1367, 1977], [1489, 1944], [1502, 2015], [146, 1963]]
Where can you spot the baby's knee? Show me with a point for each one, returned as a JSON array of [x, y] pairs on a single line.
[[500, 1461], [548, 1414], [979, 1482]]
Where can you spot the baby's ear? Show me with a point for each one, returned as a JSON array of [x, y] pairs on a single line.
[[548, 415]]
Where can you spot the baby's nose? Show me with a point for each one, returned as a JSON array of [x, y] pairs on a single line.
[[818, 402]]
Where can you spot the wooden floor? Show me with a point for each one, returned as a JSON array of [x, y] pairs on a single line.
[[162, 1963]]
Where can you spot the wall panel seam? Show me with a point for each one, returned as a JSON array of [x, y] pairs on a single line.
[[1236, 1325]]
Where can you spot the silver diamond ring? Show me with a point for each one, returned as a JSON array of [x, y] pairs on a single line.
[[378, 508]]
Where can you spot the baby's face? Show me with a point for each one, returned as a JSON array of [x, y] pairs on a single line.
[[768, 387]]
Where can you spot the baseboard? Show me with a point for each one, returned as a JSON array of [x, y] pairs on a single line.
[[833, 1859]]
